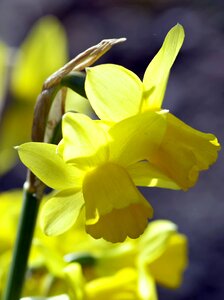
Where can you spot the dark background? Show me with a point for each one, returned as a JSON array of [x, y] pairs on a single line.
[[195, 94]]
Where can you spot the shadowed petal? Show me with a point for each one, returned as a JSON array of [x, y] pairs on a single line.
[[115, 208], [168, 268], [61, 211], [119, 224], [184, 152]]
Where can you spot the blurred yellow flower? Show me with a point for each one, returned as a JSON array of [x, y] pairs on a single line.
[[33, 62], [76, 266]]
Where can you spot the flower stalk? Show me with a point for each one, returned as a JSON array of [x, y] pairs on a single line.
[[22, 246]]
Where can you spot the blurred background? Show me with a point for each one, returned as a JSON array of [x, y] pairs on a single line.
[[195, 94]]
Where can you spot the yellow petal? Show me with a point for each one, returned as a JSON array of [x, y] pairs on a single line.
[[107, 187], [82, 138], [122, 285], [145, 174], [61, 211], [42, 160], [74, 275], [157, 72], [34, 61], [169, 267], [119, 224], [135, 137], [76, 103], [10, 206], [184, 152], [146, 285], [114, 92], [15, 130], [154, 240], [112, 198]]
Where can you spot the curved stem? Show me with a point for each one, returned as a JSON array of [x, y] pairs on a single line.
[[22, 246]]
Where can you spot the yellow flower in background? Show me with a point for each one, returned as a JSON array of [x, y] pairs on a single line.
[[94, 169], [33, 62], [116, 93], [76, 266], [43, 51], [30, 65], [131, 270]]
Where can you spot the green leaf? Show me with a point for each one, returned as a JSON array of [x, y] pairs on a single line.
[[75, 81]]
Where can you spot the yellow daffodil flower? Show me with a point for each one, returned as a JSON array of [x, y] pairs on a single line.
[[116, 93], [62, 265], [96, 169], [131, 270]]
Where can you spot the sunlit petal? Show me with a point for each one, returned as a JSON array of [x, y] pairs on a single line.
[[113, 91], [146, 285], [82, 137], [42, 160], [145, 174], [157, 72], [122, 285], [135, 137]]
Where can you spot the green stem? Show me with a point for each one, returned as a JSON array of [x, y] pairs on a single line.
[[25, 232]]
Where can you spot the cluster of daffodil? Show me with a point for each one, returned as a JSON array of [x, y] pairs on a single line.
[[98, 163], [75, 266]]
